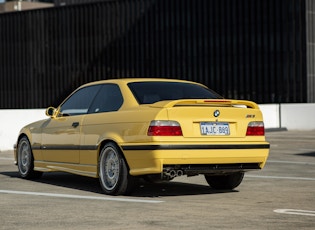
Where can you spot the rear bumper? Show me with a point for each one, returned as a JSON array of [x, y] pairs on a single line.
[[152, 159], [213, 169]]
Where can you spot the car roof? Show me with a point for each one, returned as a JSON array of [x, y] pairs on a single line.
[[130, 80]]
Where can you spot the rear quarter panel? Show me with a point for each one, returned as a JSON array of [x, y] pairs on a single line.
[[121, 127]]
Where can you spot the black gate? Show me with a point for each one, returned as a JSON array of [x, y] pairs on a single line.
[[242, 49]]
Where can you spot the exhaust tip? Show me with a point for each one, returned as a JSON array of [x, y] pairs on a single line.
[[173, 173], [180, 173]]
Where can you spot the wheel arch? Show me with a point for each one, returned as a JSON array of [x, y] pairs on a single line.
[[106, 141], [21, 135], [125, 183], [24, 133], [26, 163]]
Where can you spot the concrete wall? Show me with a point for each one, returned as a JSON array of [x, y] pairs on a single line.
[[11, 121], [289, 116], [298, 116], [271, 114]]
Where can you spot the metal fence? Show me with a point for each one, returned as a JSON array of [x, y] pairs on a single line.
[[242, 49]]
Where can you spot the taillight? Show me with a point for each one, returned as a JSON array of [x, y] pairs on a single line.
[[255, 128], [164, 128]]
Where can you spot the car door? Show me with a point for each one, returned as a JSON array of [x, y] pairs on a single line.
[[61, 135], [101, 118]]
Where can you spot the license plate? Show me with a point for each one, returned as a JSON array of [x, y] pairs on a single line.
[[215, 128]]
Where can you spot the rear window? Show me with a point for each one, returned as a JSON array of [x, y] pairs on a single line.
[[151, 92]]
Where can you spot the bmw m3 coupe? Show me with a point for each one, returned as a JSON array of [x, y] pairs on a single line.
[[124, 129]]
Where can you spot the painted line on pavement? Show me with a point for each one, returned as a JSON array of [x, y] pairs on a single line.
[[291, 162], [295, 212], [80, 197], [7, 158], [281, 177]]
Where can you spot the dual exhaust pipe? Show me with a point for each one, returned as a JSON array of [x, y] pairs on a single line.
[[172, 173]]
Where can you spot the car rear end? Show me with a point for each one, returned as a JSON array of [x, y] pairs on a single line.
[[219, 135], [191, 137]]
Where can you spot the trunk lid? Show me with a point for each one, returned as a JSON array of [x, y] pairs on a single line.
[[217, 118]]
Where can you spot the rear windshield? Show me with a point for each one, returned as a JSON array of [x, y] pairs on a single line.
[[151, 92]]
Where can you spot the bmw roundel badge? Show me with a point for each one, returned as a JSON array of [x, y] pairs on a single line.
[[216, 113]]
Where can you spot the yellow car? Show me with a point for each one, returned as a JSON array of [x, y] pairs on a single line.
[[157, 129]]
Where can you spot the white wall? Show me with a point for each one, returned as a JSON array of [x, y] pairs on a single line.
[[298, 116], [289, 116], [271, 115], [11, 122]]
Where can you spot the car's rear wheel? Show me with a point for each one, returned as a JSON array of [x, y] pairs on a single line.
[[113, 172], [25, 160], [229, 181]]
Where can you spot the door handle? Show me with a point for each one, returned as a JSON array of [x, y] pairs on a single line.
[[75, 124]]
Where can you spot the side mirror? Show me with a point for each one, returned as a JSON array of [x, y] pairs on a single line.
[[50, 111]]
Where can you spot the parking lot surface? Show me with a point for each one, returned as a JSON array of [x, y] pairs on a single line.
[[281, 196]]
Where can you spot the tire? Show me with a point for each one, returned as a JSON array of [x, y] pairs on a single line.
[[228, 182], [25, 160], [113, 172]]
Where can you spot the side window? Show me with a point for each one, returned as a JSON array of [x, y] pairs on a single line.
[[109, 98], [79, 102]]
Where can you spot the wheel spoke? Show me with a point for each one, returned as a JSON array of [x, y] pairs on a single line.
[[24, 157], [113, 173], [110, 168], [25, 160]]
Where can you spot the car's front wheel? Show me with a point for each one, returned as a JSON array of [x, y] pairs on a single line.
[[229, 181], [25, 160], [113, 172]]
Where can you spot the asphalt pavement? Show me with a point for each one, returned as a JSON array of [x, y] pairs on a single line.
[[281, 196]]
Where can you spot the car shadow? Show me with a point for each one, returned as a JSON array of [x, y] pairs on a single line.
[[172, 188], [65, 180], [310, 154], [143, 188]]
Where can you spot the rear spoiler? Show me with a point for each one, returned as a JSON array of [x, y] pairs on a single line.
[[205, 102]]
